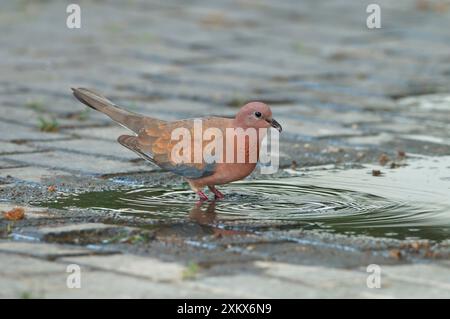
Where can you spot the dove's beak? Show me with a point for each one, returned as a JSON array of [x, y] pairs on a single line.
[[275, 125]]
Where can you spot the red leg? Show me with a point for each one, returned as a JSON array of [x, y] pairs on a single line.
[[202, 196], [217, 194]]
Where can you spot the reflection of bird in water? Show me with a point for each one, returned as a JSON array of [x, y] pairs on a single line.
[[203, 216], [208, 216]]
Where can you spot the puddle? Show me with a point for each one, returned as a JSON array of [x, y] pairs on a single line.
[[411, 202]]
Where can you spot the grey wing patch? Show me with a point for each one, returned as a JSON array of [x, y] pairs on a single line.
[[189, 171]]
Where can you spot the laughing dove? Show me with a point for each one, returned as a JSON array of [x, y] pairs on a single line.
[[154, 141]]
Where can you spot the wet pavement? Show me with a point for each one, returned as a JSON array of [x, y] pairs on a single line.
[[365, 151]]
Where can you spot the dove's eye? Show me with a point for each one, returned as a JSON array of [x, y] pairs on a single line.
[[258, 114]]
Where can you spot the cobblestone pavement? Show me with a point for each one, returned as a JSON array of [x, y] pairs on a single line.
[[343, 93]]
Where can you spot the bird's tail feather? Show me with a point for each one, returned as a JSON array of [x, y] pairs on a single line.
[[130, 120], [131, 143]]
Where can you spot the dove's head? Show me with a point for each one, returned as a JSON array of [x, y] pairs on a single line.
[[256, 115]]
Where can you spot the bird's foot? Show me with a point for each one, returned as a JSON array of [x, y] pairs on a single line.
[[217, 194], [202, 196]]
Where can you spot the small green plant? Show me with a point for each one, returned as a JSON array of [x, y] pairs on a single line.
[[84, 115], [113, 27], [46, 125], [144, 37], [9, 228], [191, 271], [140, 238], [302, 49]]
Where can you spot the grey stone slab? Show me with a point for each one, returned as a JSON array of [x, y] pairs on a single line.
[[395, 127], [109, 133], [302, 128], [12, 132], [31, 113], [403, 281], [79, 234], [315, 276], [151, 268], [14, 266], [257, 286], [41, 250], [78, 163], [429, 102], [433, 276], [371, 140], [427, 138], [6, 148], [9, 164], [97, 284], [89, 146], [73, 228], [31, 173]]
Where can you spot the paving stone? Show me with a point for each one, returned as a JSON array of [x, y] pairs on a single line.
[[41, 250], [151, 268], [337, 282], [17, 266], [78, 234], [6, 148], [316, 129], [31, 118], [178, 109], [73, 228], [427, 138], [314, 276], [267, 287], [8, 164], [15, 132], [433, 276], [81, 163], [394, 127], [98, 284], [370, 140], [429, 102], [109, 133], [25, 277], [31, 173], [445, 263], [89, 146], [426, 281]]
